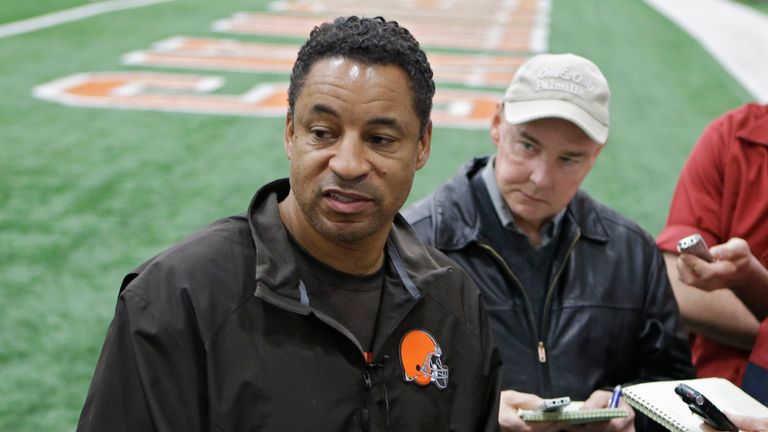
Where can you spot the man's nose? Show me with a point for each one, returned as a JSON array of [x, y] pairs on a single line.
[[350, 159], [542, 174]]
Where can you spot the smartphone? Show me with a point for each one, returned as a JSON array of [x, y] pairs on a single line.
[[555, 403], [702, 407], [695, 244]]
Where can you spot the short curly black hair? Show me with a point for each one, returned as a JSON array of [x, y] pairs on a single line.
[[373, 41]]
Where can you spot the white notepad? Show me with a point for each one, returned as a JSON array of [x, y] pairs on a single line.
[[659, 401]]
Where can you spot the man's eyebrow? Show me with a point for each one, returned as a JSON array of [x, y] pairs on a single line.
[[386, 121], [575, 154], [383, 121], [324, 109], [529, 137], [572, 154]]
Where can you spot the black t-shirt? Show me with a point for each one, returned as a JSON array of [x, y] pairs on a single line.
[[352, 300]]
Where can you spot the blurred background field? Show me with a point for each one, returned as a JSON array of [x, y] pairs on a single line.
[[13, 11], [87, 194], [761, 5]]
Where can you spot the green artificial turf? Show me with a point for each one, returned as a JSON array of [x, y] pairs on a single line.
[[665, 90], [88, 194], [13, 10], [761, 5]]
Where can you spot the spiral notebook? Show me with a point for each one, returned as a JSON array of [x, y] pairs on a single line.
[[659, 401], [572, 414]]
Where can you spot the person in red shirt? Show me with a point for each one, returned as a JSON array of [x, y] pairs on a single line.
[[755, 382], [756, 375], [749, 423], [722, 195]]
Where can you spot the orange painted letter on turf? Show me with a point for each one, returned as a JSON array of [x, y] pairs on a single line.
[[162, 92]]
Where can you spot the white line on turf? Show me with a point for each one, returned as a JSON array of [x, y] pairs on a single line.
[[69, 15], [734, 34]]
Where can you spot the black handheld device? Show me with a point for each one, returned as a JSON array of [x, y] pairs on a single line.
[[702, 407]]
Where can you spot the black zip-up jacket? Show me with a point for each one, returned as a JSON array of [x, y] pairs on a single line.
[[217, 333], [609, 314]]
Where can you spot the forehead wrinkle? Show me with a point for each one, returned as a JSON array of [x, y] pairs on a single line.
[[582, 149], [386, 118], [373, 89], [333, 86]]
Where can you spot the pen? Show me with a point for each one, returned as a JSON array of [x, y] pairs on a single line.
[[615, 397]]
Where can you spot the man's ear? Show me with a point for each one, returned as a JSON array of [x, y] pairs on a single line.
[[425, 146], [600, 148], [496, 121], [288, 139]]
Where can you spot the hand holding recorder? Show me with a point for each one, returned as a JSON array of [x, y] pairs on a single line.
[[722, 266], [511, 401], [706, 410], [695, 245]]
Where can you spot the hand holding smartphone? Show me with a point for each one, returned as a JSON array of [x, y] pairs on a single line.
[[706, 410], [695, 245]]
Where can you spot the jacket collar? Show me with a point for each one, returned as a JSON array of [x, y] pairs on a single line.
[[457, 222], [276, 274], [757, 130]]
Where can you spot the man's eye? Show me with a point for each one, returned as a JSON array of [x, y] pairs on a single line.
[[381, 140], [320, 133], [526, 147]]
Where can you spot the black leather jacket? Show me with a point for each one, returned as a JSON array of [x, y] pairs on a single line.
[[609, 316]]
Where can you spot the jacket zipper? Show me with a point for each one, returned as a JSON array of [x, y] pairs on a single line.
[[369, 364], [368, 357], [529, 309], [548, 299], [542, 352], [365, 411], [541, 329]]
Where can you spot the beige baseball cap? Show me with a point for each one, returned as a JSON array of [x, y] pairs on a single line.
[[565, 86]]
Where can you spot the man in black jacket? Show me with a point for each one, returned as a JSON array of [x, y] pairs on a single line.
[[318, 309], [577, 294]]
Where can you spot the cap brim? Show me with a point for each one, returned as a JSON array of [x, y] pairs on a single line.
[[525, 111]]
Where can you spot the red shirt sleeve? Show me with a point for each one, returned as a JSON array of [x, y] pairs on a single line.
[[697, 201]]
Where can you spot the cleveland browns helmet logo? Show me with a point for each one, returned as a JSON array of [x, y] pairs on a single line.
[[421, 358]]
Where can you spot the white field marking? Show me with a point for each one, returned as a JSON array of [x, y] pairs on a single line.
[[171, 93], [49, 90], [238, 56], [260, 92], [209, 83], [134, 58], [460, 108], [69, 15], [170, 44], [540, 31], [285, 6], [498, 18], [734, 34], [502, 25], [471, 36], [127, 90]]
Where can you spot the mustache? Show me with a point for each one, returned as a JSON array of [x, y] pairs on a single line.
[[359, 186]]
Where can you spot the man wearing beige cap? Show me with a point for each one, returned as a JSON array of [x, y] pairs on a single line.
[[577, 294]]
